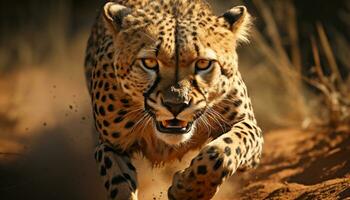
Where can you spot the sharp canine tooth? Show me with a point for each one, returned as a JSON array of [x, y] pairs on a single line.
[[165, 123], [183, 123]]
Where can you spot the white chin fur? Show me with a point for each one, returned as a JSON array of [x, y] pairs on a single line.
[[174, 139]]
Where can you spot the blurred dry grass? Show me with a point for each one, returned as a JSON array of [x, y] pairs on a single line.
[[287, 75], [46, 140]]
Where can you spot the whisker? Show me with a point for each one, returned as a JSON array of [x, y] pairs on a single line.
[[147, 120], [215, 120], [221, 117], [138, 122]]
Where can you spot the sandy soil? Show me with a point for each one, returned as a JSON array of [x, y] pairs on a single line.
[[301, 165], [46, 149]]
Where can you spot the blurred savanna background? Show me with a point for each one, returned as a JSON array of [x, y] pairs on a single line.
[[296, 68]]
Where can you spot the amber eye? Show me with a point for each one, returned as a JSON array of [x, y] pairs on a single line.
[[203, 64], [150, 63]]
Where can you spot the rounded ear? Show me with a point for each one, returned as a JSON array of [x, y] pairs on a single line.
[[114, 15], [239, 22]]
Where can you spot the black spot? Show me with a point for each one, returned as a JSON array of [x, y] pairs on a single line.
[[252, 135], [232, 116], [227, 151], [129, 124], [228, 140], [110, 108], [238, 151], [103, 171], [124, 101], [247, 125], [237, 103], [131, 167], [118, 179], [109, 149], [104, 98], [100, 84], [211, 150], [111, 96], [97, 95], [238, 135], [98, 74], [118, 119], [229, 162], [202, 169], [114, 193], [218, 163], [105, 66], [213, 156], [115, 134], [105, 132], [107, 184], [179, 186], [112, 75], [108, 162], [122, 112], [224, 173], [106, 123], [102, 111], [106, 87]]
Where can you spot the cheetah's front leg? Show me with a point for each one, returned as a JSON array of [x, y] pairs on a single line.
[[117, 172], [240, 147]]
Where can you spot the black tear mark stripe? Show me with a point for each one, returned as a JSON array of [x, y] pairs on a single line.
[[152, 88], [196, 47], [176, 48], [158, 47], [196, 86]]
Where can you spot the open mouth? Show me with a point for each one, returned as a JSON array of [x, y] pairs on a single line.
[[174, 126]]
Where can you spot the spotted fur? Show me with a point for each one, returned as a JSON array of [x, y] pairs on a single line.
[[129, 100]]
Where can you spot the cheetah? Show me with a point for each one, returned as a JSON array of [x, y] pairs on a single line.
[[163, 79]]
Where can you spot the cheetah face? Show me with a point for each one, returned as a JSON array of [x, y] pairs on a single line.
[[176, 65]]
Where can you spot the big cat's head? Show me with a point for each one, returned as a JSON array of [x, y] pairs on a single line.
[[177, 60]]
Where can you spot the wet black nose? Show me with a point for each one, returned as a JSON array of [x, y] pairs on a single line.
[[175, 108]]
